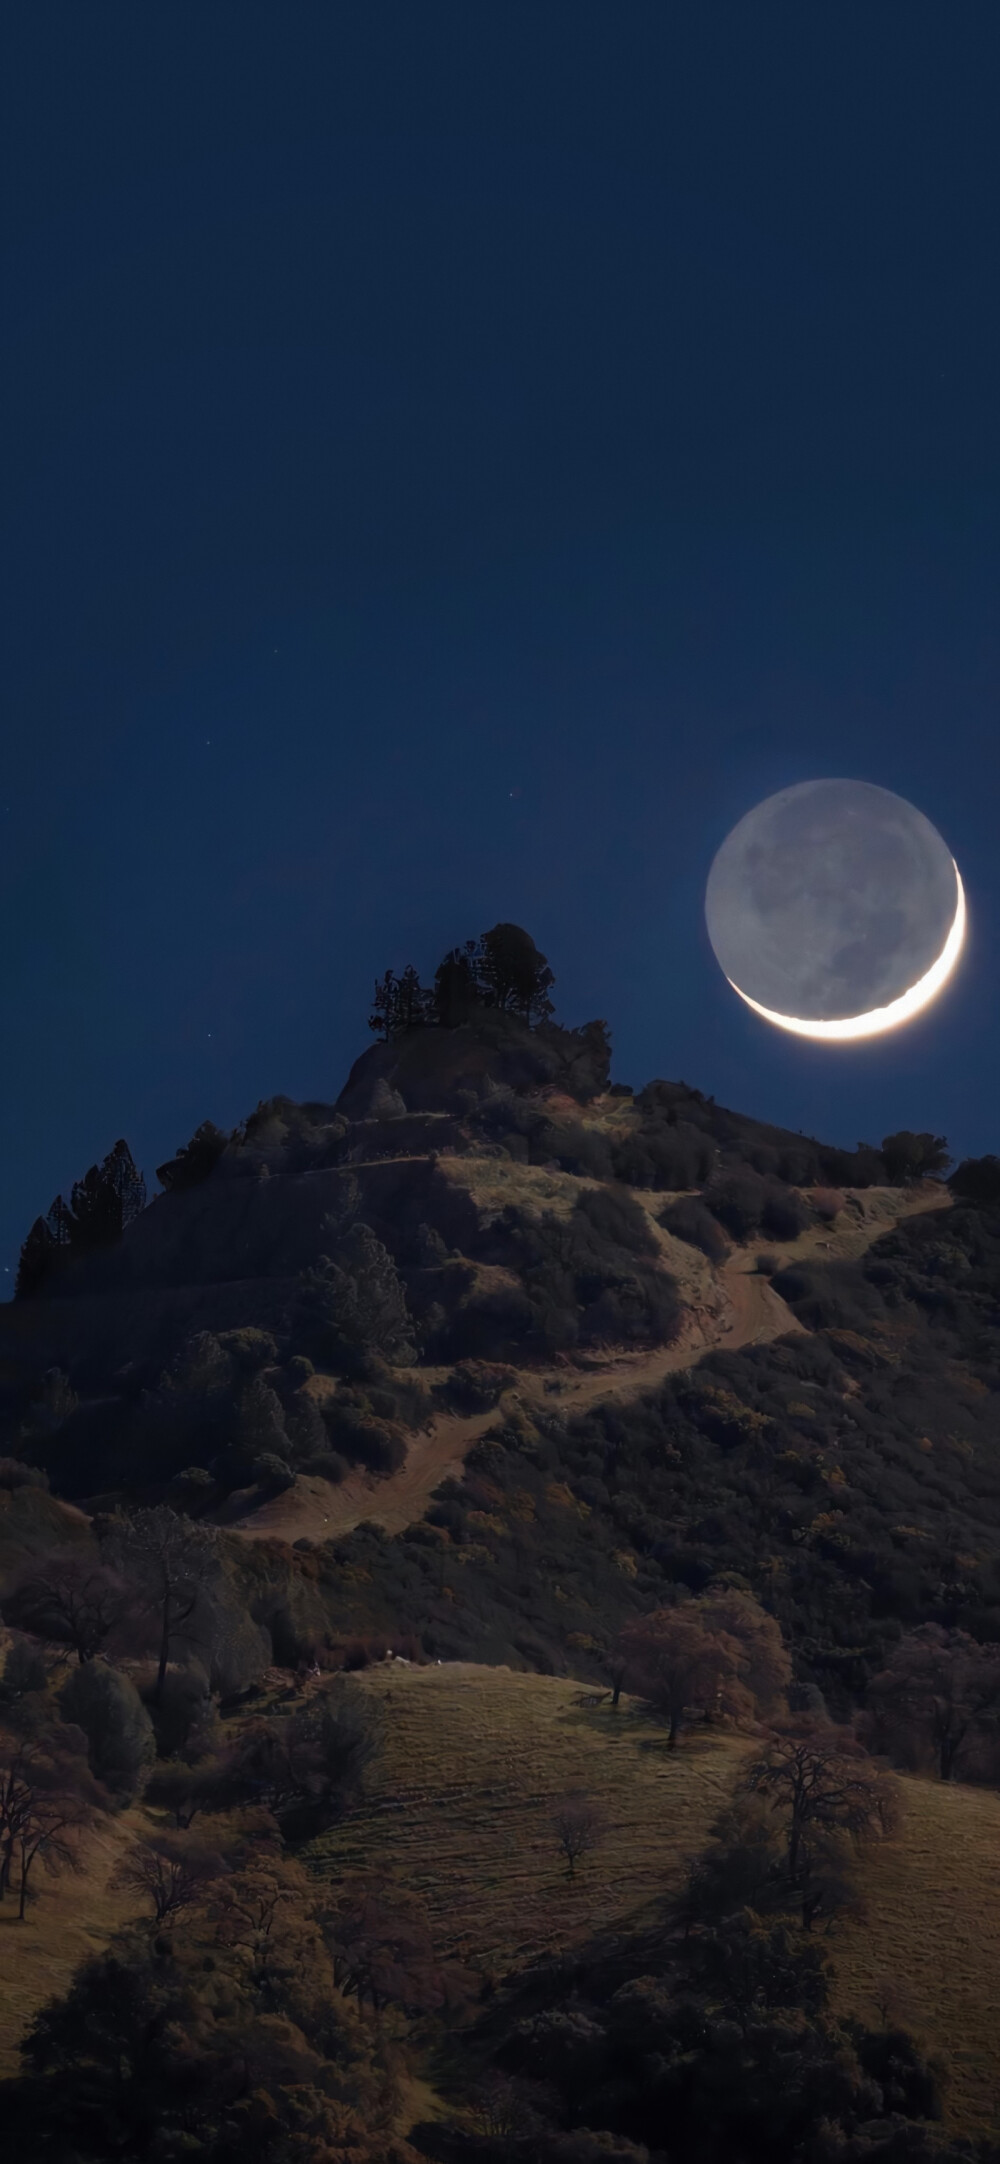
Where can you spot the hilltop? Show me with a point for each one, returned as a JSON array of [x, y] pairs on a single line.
[[485, 1361]]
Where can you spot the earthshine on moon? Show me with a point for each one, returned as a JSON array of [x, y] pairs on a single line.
[[835, 909]]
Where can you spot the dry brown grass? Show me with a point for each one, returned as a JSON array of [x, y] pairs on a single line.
[[70, 1920], [461, 1805], [930, 1939], [460, 1809]]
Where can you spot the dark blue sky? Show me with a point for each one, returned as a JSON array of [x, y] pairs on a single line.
[[457, 458]]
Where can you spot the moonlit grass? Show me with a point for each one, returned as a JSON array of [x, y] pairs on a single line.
[[899, 1010]]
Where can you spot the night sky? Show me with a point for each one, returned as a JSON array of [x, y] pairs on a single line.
[[457, 459]]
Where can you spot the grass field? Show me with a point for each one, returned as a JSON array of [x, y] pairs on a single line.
[[460, 1809], [461, 1806], [67, 1922]]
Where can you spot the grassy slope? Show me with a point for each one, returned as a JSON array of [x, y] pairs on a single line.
[[460, 1809], [68, 1921]]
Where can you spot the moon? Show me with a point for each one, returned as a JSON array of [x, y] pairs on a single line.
[[835, 909]]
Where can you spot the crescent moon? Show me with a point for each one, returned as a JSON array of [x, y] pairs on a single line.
[[899, 1010]]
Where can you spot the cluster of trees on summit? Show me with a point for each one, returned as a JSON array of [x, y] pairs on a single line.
[[503, 969]]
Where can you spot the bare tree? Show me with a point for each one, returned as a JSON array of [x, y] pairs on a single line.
[[170, 1872], [169, 1562], [48, 1800], [579, 1826], [823, 1785], [940, 1690], [71, 1599]]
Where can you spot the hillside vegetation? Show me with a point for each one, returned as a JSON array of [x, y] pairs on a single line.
[[662, 1445]]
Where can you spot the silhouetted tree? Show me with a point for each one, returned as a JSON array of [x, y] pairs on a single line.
[[48, 1800], [168, 1561], [821, 1783], [193, 1162], [914, 1157], [169, 1872], [107, 1199], [457, 985], [70, 1598], [514, 975], [941, 1690]]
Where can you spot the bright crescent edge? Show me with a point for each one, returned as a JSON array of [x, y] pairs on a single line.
[[899, 1010]]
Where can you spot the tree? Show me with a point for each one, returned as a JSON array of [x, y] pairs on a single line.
[[194, 1161], [675, 1660], [457, 985], [168, 1561], [380, 1944], [106, 1200], [766, 1666], [821, 1784], [940, 1688], [400, 1004], [513, 974], [170, 1872], [187, 1789], [263, 1910], [914, 1157], [48, 1800], [749, 1968], [305, 1765], [352, 1307], [579, 1825], [70, 1598], [119, 1732]]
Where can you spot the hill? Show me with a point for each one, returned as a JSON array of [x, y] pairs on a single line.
[[461, 1808], [484, 1362]]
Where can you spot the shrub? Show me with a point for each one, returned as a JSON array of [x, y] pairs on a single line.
[[689, 1220], [618, 1218], [108, 1708], [784, 1215], [737, 1200], [476, 1385], [272, 1473], [827, 1203], [327, 1465]]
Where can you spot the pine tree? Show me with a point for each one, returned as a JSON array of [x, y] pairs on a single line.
[[514, 975]]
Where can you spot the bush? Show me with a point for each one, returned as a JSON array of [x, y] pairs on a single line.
[[327, 1465], [784, 1215], [618, 1218], [690, 1221], [272, 1473], [737, 1199], [476, 1385], [827, 1203], [120, 1739]]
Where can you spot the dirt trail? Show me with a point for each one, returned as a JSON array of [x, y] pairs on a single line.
[[731, 1307]]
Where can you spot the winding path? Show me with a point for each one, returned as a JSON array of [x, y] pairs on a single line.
[[731, 1307]]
